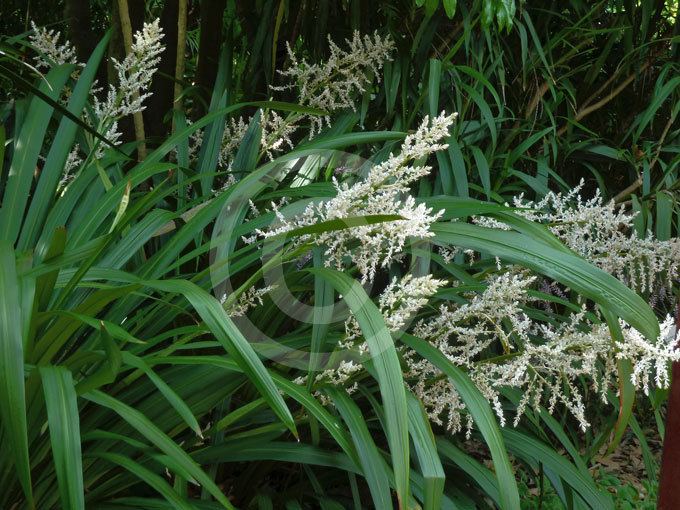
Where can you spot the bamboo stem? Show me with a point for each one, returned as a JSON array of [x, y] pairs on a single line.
[[180, 60], [138, 118]]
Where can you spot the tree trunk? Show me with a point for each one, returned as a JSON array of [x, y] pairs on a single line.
[[669, 489], [160, 102], [79, 32], [212, 13]]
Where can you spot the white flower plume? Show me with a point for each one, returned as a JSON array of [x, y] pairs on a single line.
[[382, 192], [134, 74], [46, 42], [545, 362], [604, 235], [333, 84]]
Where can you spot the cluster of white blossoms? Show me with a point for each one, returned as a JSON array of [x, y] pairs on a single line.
[[384, 191], [50, 52], [276, 133], [647, 357], [134, 75], [493, 339], [544, 361], [330, 86], [333, 84], [134, 79], [73, 160], [604, 235], [232, 136], [491, 336], [249, 299], [475, 326], [399, 302]]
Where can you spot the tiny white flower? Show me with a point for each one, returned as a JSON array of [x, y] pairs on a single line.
[[50, 51]]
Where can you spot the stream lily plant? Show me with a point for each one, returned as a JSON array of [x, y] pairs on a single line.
[[128, 383]]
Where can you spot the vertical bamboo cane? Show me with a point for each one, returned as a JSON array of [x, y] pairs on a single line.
[[138, 118], [179, 62]]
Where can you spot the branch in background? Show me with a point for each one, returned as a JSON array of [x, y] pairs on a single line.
[[545, 86], [585, 111], [604, 87], [628, 190], [445, 44], [638, 182], [126, 29], [540, 92]]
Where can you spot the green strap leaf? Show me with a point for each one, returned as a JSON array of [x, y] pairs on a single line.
[[12, 387], [63, 143], [426, 451], [564, 267], [481, 412], [108, 370], [245, 159], [626, 388], [478, 472], [27, 149], [157, 437], [323, 312], [386, 363], [228, 334], [152, 479], [173, 399], [433, 85], [64, 423], [529, 448], [372, 463], [450, 8]]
